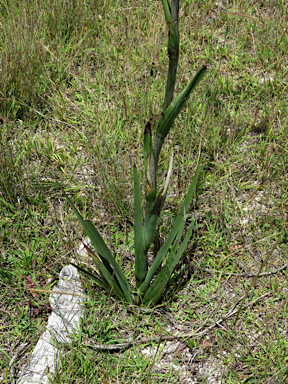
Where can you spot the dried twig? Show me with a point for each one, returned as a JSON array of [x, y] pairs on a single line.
[[246, 274], [130, 342]]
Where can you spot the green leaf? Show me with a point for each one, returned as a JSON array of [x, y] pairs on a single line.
[[149, 230], [150, 195], [170, 114], [101, 283], [13, 209], [98, 260], [150, 222], [140, 257], [108, 276], [103, 251], [5, 353], [176, 227], [178, 238], [155, 291]]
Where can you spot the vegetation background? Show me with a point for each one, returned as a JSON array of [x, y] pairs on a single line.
[[79, 81]]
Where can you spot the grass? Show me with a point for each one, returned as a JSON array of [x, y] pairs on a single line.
[[79, 80]]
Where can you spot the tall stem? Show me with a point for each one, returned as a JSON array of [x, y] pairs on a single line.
[[173, 61], [170, 87]]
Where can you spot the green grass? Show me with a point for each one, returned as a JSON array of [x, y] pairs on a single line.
[[79, 81]]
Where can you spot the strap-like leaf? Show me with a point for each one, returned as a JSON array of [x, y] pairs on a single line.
[[150, 195], [156, 289], [103, 251], [109, 276], [150, 222], [149, 230], [170, 114], [140, 257], [115, 290], [176, 227]]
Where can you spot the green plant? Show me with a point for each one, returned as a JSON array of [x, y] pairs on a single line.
[[97, 133], [148, 287]]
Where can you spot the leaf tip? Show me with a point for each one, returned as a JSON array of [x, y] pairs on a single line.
[[147, 129]]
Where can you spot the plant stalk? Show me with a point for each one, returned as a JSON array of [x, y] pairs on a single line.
[[170, 87], [173, 59]]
